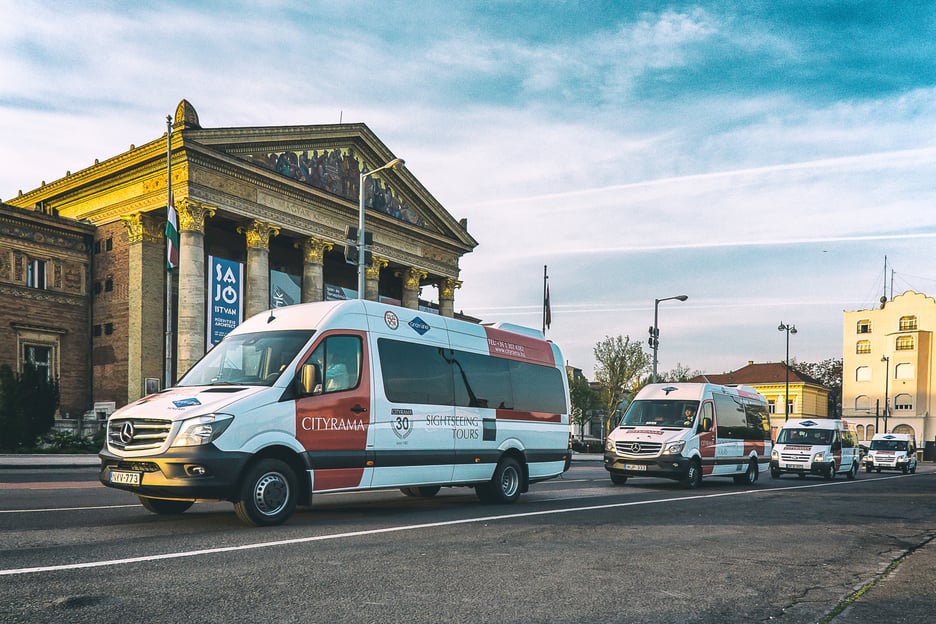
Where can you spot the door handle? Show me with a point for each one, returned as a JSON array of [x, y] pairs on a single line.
[[357, 409]]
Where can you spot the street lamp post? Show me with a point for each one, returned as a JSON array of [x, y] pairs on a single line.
[[886, 359], [360, 264], [655, 331], [789, 329]]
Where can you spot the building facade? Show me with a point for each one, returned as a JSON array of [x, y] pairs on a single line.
[[790, 394], [45, 268], [263, 216], [888, 374]]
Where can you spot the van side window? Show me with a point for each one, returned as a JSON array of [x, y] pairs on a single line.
[[339, 360], [414, 373], [732, 421], [708, 415]]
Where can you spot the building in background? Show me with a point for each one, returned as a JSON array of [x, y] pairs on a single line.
[[888, 373], [808, 398], [263, 214]]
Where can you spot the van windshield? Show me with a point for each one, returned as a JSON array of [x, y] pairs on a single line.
[[665, 413], [888, 445], [247, 359], [805, 436]]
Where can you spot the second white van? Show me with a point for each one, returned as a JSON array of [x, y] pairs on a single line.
[[815, 446], [892, 451]]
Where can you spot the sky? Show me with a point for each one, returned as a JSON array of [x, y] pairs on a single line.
[[774, 161]]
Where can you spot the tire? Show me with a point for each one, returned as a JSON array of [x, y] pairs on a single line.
[[618, 479], [693, 478], [408, 491], [750, 475], [851, 474], [830, 472], [267, 494], [913, 470], [879, 471], [504, 487], [868, 468], [165, 507], [774, 473], [426, 491], [905, 470]]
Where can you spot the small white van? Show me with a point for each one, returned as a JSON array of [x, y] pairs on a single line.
[[686, 431], [892, 451], [341, 396], [816, 446]]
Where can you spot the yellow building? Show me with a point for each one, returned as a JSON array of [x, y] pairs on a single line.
[[888, 373], [263, 218], [808, 398]]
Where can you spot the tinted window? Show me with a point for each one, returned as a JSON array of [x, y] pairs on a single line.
[[482, 381], [537, 388], [758, 421], [414, 373], [730, 417]]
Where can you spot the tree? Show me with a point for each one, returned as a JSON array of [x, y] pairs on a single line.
[[679, 374], [28, 402], [619, 364], [584, 399], [829, 374]]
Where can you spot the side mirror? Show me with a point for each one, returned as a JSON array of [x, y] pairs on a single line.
[[309, 380], [706, 424]]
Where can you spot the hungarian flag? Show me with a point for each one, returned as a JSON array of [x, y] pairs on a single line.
[[172, 237], [548, 313]]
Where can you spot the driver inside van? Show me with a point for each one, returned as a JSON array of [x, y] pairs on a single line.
[[688, 417]]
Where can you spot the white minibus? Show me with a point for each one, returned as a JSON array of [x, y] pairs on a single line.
[[817, 446], [342, 396], [892, 451], [686, 431]]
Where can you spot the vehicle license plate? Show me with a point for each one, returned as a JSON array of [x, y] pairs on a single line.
[[635, 467], [125, 478]]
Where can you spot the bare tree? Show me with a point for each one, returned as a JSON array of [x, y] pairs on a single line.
[[619, 364]]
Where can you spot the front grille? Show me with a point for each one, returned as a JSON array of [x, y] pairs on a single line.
[[796, 458], [638, 449], [137, 434]]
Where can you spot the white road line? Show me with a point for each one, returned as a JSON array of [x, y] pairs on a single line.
[[397, 529], [17, 511]]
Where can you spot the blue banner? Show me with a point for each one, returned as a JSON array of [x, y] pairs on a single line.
[[225, 298]]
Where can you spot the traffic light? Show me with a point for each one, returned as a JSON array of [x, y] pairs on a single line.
[[351, 246], [654, 339]]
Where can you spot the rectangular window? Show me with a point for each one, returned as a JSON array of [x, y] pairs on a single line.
[[907, 323], [771, 406], [864, 327], [109, 244], [904, 343], [39, 357], [108, 328], [863, 346], [96, 330], [36, 274]]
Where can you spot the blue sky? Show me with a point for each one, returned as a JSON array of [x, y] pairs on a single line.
[[760, 157]]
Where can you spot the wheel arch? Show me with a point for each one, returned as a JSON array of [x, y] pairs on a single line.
[[292, 459]]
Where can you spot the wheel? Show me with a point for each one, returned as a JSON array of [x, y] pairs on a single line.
[[504, 486], [618, 479], [426, 491], [165, 507], [830, 472], [750, 475], [693, 478], [774, 473], [913, 470], [268, 493], [851, 474], [879, 471], [800, 475], [408, 491], [868, 468], [904, 469]]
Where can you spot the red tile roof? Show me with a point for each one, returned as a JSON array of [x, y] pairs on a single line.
[[755, 374]]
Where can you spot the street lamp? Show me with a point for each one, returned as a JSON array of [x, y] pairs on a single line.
[[789, 329], [655, 331], [360, 264], [886, 359]]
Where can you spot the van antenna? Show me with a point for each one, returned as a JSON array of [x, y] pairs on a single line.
[[272, 318]]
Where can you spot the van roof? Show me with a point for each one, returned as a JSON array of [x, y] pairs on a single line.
[[818, 423], [892, 436], [694, 390]]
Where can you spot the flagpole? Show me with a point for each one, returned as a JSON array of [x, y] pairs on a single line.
[[169, 320], [545, 298]]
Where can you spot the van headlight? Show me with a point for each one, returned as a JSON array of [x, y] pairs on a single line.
[[202, 429], [819, 457], [609, 444], [674, 448], [774, 454], [901, 459]]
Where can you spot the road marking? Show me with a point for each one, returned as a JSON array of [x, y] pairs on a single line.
[[415, 527], [50, 485], [13, 511]]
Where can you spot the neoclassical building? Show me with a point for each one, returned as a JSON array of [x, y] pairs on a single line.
[[263, 215], [889, 369]]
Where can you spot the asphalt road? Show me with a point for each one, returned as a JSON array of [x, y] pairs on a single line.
[[577, 549]]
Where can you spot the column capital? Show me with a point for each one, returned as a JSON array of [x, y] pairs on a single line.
[[373, 271], [143, 226], [411, 277], [447, 287], [313, 249], [192, 215], [259, 234]]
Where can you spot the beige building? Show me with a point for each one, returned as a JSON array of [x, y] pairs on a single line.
[[808, 398], [888, 372], [268, 207]]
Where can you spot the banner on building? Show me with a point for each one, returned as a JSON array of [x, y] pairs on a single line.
[[285, 289], [225, 298]]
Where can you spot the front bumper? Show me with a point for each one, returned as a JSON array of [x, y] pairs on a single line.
[[201, 472], [816, 468], [670, 467]]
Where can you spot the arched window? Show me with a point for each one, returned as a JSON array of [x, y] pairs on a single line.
[[904, 370], [863, 373], [864, 326], [907, 323], [863, 346], [863, 403], [860, 431], [905, 343], [907, 429], [869, 432], [903, 402]]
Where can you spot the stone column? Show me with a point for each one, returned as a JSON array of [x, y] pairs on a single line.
[[258, 236], [372, 278], [313, 268], [191, 322], [146, 317], [447, 296], [411, 278]]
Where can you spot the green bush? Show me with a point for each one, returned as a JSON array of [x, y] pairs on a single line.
[[28, 402], [66, 442]]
